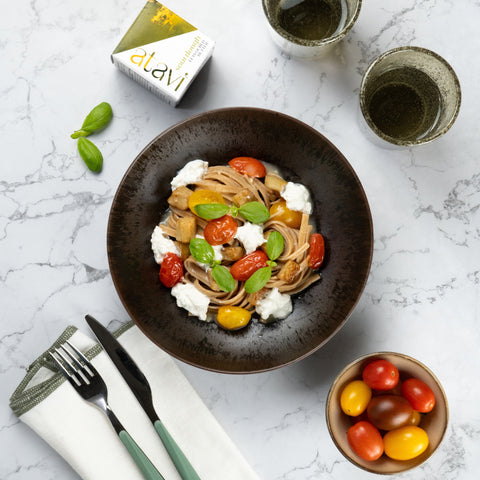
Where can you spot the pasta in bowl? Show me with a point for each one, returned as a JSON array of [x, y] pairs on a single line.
[[236, 239], [321, 299]]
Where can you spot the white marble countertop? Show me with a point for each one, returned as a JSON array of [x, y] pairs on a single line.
[[422, 294]]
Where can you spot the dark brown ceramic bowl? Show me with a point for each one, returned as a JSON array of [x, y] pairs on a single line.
[[434, 423], [341, 212]]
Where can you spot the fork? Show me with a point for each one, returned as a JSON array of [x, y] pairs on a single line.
[[90, 386]]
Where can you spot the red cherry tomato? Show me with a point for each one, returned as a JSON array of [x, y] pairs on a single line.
[[171, 270], [419, 395], [248, 166], [365, 440], [220, 230], [380, 375], [388, 412], [317, 251], [244, 268]]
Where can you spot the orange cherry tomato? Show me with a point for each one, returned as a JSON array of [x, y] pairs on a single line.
[[365, 440], [233, 318], [281, 212], [405, 443], [248, 166], [171, 270], [415, 419], [200, 197], [244, 268], [317, 251], [419, 395], [220, 230]]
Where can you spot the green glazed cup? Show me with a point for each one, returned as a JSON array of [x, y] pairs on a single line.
[[309, 29], [409, 96]]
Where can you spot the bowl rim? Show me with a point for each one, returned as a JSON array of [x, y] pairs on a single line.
[[241, 109], [359, 360]]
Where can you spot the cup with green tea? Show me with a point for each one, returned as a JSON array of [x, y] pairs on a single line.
[[309, 28], [409, 96]]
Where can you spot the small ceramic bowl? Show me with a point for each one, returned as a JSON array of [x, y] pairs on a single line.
[[434, 423]]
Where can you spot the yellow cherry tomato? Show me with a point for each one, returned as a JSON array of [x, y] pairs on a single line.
[[233, 318], [415, 419], [199, 197], [355, 397], [405, 443], [281, 212]]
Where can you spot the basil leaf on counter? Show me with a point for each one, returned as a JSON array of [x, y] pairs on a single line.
[[275, 245], [254, 212], [224, 278], [90, 154], [258, 280], [97, 119], [201, 250], [210, 211]]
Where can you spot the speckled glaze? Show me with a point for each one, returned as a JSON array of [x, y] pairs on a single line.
[[300, 47], [341, 212], [416, 59]]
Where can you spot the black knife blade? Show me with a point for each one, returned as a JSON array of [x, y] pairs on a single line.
[[140, 387]]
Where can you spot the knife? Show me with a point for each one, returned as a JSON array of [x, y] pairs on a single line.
[[141, 389]]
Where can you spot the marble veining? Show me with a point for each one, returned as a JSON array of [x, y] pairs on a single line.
[[422, 295]]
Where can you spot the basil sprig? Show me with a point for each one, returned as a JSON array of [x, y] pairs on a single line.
[[254, 212], [203, 252], [97, 119], [259, 279]]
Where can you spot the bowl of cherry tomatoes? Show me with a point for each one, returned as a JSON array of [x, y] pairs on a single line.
[[386, 412]]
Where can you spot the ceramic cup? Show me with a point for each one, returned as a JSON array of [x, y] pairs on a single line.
[[309, 28], [409, 96]]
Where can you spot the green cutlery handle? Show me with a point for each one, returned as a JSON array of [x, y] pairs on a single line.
[[180, 461], [144, 464]]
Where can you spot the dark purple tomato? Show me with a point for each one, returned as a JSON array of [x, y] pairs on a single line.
[[388, 412]]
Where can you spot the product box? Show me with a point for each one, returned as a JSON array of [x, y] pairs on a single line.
[[162, 52]]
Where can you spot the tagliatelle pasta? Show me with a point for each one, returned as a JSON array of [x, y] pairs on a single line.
[[231, 184]]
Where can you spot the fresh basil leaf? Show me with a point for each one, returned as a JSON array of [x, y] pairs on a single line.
[[258, 280], [210, 211], [254, 212], [224, 278], [90, 154], [97, 119], [275, 245], [201, 250]]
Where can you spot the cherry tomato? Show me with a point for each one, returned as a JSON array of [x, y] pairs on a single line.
[[317, 251], [171, 270], [199, 197], [233, 318], [281, 212], [248, 166], [387, 412], [220, 230], [365, 440], [419, 394], [405, 443], [355, 397], [244, 268], [415, 419], [381, 375]]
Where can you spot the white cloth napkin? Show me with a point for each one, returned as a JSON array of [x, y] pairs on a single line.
[[84, 437]]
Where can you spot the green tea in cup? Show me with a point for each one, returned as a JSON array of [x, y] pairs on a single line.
[[409, 96]]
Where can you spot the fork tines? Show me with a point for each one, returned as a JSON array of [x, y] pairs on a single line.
[[70, 365]]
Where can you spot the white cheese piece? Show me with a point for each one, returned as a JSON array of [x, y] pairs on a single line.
[[251, 236], [190, 173], [274, 304], [161, 245], [297, 197], [191, 299]]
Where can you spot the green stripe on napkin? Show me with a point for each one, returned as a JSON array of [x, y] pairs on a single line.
[[25, 398]]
